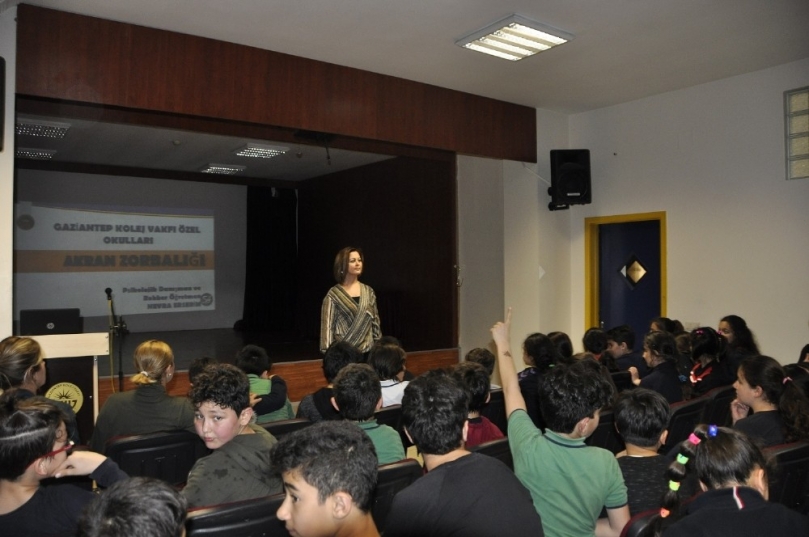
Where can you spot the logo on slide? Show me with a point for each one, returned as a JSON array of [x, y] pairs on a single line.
[[25, 222], [66, 393], [206, 299]]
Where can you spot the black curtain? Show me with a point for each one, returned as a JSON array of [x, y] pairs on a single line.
[[271, 264]]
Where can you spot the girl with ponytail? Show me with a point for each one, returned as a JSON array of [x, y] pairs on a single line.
[[707, 348]]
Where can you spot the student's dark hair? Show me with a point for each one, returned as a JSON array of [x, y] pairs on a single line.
[[434, 409], [542, 351], [641, 416], [338, 355], [475, 380], [665, 324], [780, 390], [743, 338], [29, 427], [357, 391], [332, 456], [705, 341], [661, 344], [387, 360], [198, 365], [484, 357], [388, 340], [682, 340], [253, 360], [595, 340], [719, 461], [223, 384], [341, 262], [799, 375], [135, 507], [568, 394], [562, 343], [622, 334], [802, 358]]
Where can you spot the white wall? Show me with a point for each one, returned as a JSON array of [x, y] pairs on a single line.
[[8, 50]]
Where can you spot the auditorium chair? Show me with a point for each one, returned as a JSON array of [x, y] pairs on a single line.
[[282, 427], [392, 417], [249, 518], [622, 380], [495, 410], [717, 406], [499, 449], [605, 435], [789, 483], [684, 418], [167, 455], [392, 478], [637, 524]]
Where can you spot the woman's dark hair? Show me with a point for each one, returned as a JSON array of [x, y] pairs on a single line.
[[542, 351], [341, 262], [779, 389], [804, 356], [706, 342], [721, 459], [662, 344], [799, 375], [665, 324], [562, 343], [742, 336]]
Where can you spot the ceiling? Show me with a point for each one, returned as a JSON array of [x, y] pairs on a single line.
[[624, 50]]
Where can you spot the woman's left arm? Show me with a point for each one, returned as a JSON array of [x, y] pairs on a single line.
[[376, 327]]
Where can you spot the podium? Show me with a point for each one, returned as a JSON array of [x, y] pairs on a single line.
[[72, 373]]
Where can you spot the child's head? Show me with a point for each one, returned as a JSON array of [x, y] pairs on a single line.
[[595, 341], [21, 362], [540, 352], [734, 329], [705, 342], [137, 507], [434, 412], [387, 360], [562, 343], [475, 380], [338, 355], [662, 324], [154, 361], [620, 340], [221, 397], [357, 392], [659, 347], [197, 366], [484, 357], [253, 360], [568, 394], [641, 417], [32, 430], [329, 471]]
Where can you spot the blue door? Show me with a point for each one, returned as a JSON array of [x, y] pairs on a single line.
[[629, 275]]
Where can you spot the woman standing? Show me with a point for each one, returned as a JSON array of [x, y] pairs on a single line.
[[349, 310]]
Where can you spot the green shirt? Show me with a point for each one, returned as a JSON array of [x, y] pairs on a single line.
[[569, 481], [386, 440]]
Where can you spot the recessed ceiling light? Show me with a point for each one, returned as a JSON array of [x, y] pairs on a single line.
[[34, 154], [46, 129], [223, 169], [514, 38], [261, 150]]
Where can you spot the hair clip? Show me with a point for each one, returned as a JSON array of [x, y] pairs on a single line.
[[674, 485], [144, 373], [787, 379], [664, 512], [713, 430], [682, 459], [694, 439]]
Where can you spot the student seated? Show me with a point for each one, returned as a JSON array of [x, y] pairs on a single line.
[[620, 345], [642, 417], [239, 466], [136, 507], [595, 342], [34, 446], [273, 403], [475, 381], [317, 406], [463, 493], [329, 470], [540, 355], [357, 395], [569, 481], [389, 363], [485, 358], [660, 354]]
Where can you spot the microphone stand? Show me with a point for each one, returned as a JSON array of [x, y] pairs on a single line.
[[117, 329]]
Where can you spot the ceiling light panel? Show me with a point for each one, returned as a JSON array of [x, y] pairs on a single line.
[[261, 151], [40, 128], [35, 154], [223, 169], [514, 38]]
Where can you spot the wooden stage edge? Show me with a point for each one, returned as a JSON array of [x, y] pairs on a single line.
[[302, 378]]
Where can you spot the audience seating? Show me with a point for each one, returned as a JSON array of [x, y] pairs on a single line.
[[247, 518], [637, 524], [495, 410], [622, 380], [717, 406], [282, 427], [393, 477], [790, 483], [165, 455], [684, 418], [605, 436], [499, 449], [392, 417]]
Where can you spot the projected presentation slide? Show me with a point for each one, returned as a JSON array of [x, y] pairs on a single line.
[[155, 260]]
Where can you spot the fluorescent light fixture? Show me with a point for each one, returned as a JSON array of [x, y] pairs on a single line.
[[261, 151], [41, 128], [223, 169], [34, 154], [514, 38]]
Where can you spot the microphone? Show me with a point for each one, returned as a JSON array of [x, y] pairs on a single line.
[[109, 293]]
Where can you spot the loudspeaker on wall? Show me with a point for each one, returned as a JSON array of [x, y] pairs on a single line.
[[570, 178]]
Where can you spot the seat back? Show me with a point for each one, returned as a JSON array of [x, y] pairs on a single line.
[[282, 427], [622, 380], [684, 418], [164, 455], [605, 436], [637, 524], [392, 478], [790, 483], [499, 449], [249, 518], [495, 410], [717, 406]]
